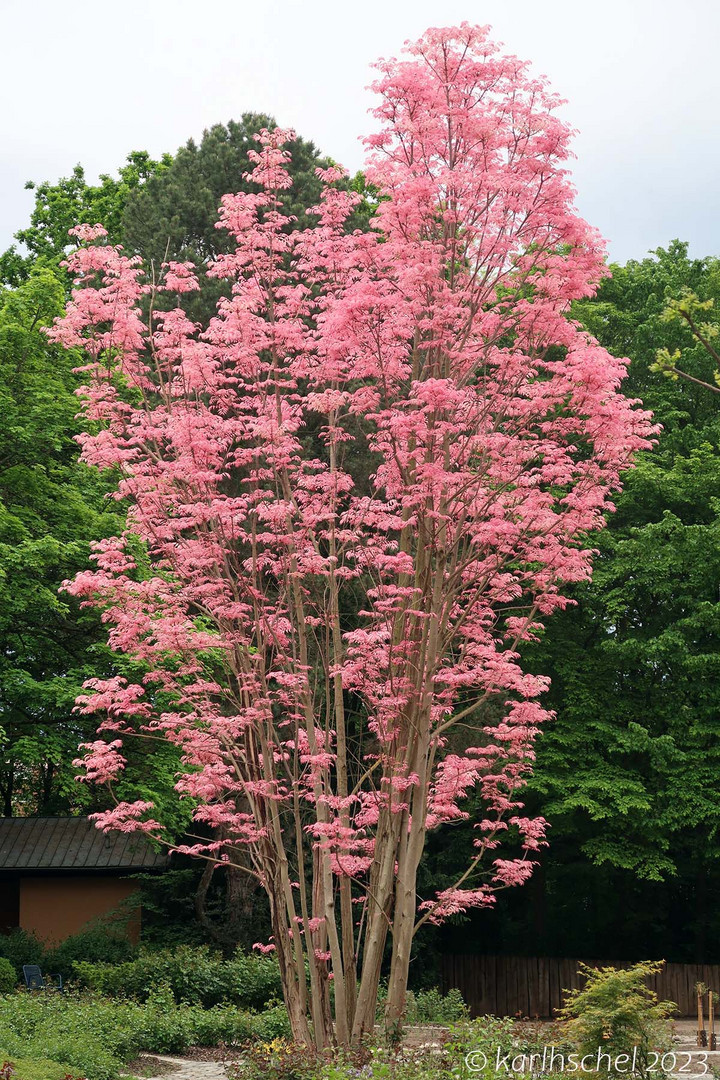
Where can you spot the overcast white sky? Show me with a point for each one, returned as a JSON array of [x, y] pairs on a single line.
[[89, 81]]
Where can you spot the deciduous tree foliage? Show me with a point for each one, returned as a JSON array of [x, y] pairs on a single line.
[[48, 647], [319, 634], [51, 507], [59, 206], [628, 770]]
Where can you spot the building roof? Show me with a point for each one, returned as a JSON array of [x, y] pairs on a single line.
[[71, 843]]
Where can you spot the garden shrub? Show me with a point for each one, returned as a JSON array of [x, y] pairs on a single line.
[[484, 1037], [163, 1027], [100, 942], [272, 1023], [8, 976], [432, 1007], [428, 1007], [108, 943], [617, 1011], [21, 947], [194, 974], [33, 1069]]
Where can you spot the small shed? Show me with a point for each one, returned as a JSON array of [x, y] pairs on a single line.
[[58, 874]]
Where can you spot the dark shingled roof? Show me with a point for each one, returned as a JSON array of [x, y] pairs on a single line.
[[71, 843]]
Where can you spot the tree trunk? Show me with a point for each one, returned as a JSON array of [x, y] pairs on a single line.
[[294, 1003], [379, 900]]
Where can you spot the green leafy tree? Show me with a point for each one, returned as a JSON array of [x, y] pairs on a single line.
[[175, 212], [62, 205], [51, 507], [700, 320], [632, 763], [628, 771]]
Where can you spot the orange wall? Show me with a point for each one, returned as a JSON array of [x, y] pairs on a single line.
[[53, 908]]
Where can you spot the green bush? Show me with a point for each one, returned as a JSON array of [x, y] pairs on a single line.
[[106, 943], [8, 976], [35, 1068], [432, 1007], [617, 1011], [20, 947], [272, 1024], [163, 1027], [428, 1007], [483, 1038], [194, 974]]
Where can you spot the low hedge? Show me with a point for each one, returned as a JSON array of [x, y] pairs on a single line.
[[194, 974]]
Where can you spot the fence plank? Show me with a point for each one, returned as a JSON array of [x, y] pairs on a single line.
[[533, 985]]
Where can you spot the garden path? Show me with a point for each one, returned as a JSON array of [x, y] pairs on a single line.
[[186, 1069]]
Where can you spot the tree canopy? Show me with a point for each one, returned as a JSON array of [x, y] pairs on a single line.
[[631, 761], [51, 508], [313, 635]]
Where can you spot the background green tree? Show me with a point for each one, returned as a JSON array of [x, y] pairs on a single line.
[[632, 763], [51, 507], [173, 214], [628, 773], [70, 201]]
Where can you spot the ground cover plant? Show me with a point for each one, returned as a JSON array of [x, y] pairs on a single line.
[[603, 1023], [460, 1049], [96, 1036], [33, 1069]]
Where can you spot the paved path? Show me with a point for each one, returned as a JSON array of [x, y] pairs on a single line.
[[184, 1069], [692, 1060]]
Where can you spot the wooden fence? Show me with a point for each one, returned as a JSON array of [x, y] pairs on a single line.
[[533, 986]]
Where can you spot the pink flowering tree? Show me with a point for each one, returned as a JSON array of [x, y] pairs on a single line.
[[351, 499]]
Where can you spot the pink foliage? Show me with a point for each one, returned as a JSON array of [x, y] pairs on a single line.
[[360, 488]]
